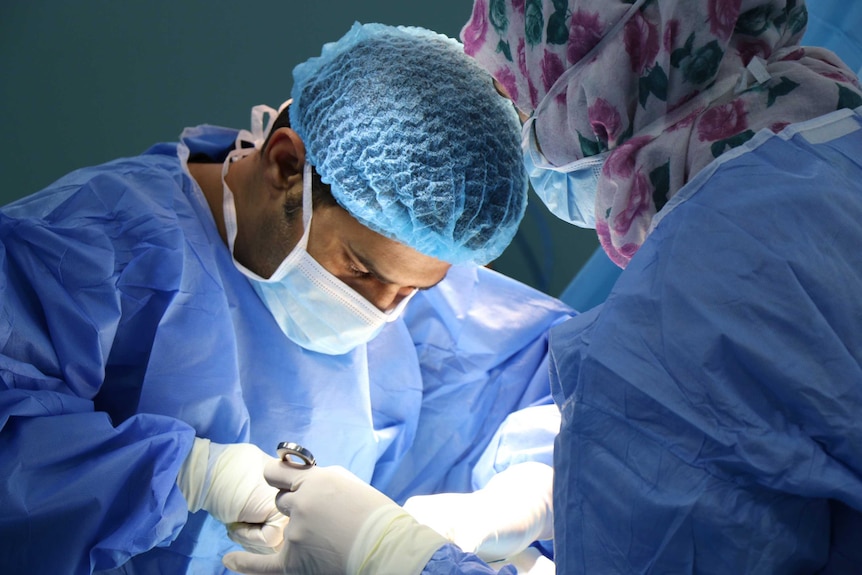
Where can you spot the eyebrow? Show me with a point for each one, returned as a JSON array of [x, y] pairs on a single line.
[[367, 264]]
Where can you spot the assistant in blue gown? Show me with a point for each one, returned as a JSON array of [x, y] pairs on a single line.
[[711, 405], [126, 330]]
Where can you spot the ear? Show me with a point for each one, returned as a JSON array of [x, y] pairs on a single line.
[[284, 158]]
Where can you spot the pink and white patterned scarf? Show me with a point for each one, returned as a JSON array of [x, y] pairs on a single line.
[[673, 85]]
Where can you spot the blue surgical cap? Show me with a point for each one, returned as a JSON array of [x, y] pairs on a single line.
[[414, 141]]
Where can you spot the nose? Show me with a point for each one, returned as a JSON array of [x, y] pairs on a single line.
[[386, 296]]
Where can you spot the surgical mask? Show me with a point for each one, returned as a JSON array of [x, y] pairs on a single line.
[[568, 191], [313, 308]]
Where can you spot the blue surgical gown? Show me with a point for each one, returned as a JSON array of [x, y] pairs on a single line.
[[126, 331], [712, 405]]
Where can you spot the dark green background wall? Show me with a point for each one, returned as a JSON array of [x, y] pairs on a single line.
[[84, 82]]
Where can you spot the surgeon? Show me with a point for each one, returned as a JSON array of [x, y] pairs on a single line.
[[710, 406], [167, 320]]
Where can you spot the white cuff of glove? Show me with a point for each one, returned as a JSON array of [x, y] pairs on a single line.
[[192, 477], [392, 542]]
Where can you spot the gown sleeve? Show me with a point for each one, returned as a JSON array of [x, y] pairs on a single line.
[[87, 482], [451, 560]]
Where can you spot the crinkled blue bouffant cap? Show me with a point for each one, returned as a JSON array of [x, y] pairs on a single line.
[[414, 140]]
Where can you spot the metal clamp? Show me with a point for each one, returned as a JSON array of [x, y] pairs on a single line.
[[295, 455]]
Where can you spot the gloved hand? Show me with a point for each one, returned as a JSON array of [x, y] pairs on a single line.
[[227, 481], [498, 521], [339, 524]]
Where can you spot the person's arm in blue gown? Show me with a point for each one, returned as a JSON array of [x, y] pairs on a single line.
[[86, 482], [482, 343]]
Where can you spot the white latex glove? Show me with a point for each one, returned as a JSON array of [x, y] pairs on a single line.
[[227, 481], [528, 562], [339, 524], [498, 521]]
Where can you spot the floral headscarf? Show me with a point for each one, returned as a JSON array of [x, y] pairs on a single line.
[[666, 86]]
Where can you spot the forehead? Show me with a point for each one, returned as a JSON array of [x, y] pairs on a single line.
[[390, 260]]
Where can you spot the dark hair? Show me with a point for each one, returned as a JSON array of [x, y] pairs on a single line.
[[321, 193]]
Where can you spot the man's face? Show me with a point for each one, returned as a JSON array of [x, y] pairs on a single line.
[[382, 270]]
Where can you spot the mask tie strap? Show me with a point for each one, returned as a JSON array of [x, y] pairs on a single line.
[[756, 69], [262, 119]]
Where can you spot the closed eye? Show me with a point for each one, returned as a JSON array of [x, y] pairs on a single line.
[[359, 272]]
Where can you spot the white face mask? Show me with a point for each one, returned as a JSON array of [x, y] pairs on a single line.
[[568, 191], [313, 308]]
